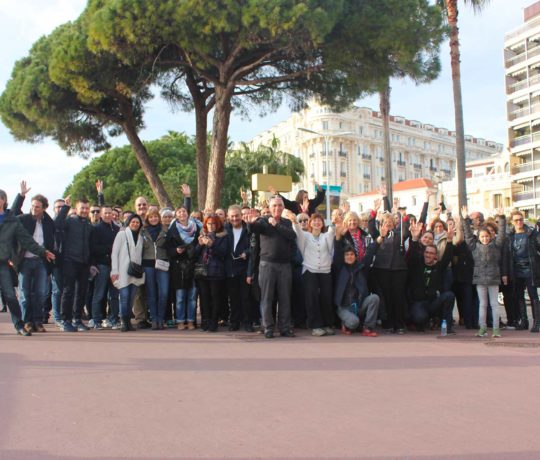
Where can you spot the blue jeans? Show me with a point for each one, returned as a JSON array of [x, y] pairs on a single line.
[[33, 278], [6, 286], [57, 286], [157, 291], [102, 286], [186, 298], [127, 297]]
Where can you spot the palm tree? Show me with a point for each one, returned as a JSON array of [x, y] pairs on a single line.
[[451, 9]]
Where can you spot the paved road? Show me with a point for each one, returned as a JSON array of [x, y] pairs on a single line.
[[189, 394]]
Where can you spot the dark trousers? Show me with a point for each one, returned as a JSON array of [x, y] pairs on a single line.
[[74, 293], [520, 284], [441, 307], [512, 315], [298, 304], [8, 292], [275, 280], [238, 291], [318, 299], [212, 294], [464, 298], [391, 288]]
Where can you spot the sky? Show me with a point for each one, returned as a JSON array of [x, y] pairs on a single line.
[[48, 170]]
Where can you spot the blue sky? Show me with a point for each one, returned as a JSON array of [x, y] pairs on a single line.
[[48, 170]]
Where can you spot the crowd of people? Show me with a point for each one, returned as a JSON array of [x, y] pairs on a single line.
[[271, 269]]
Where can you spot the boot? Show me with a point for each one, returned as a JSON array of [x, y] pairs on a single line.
[[523, 320], [129, 325], [536, 314], [124, 325]]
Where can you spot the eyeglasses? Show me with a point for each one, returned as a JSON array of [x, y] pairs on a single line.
[[517, 220], [301, 221], [95, 211]]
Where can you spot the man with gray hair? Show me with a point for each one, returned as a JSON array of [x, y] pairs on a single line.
[[277, 245]]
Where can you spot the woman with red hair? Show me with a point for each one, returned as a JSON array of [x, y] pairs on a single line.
[[210, 271]]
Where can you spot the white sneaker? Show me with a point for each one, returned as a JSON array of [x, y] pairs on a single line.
[[106, 324], [91, 323], [318, 332]]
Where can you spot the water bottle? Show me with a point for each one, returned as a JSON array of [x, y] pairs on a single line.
[[444, 330]]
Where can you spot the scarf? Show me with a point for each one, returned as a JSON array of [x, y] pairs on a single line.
[[187, 232], [359, 246], [154, 230]]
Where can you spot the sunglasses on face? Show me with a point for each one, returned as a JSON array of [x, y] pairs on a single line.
[[302, 220], [95, 211]]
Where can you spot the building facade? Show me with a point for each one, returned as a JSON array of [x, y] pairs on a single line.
[[346, 149], [522, 70]]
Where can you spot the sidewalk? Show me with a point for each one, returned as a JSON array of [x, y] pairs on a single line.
[[188, 394]]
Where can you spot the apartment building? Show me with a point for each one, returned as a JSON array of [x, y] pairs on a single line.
[[522, 70], [346, 149]]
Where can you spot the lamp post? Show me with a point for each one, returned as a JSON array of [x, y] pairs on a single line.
[[326, 136]]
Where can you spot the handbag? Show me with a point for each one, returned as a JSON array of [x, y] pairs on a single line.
[[134, 269], [162, 265]]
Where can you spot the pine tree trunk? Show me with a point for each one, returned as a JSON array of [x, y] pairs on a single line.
[[222, 116], [201, 149], [384, 104], [452, 9], [147, 166]]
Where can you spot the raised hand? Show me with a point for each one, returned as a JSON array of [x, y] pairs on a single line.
[[67, 200], [272, 190], [243, 195], [24, 188], [377, 204], [450, 233], [186, 190], [305, 205], [464, 212], [99, 186], [287, 214]]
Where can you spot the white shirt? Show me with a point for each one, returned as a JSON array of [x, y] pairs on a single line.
[[38, 238], [236, 233]]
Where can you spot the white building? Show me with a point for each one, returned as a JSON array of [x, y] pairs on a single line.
[[522, 69], [346, 149]]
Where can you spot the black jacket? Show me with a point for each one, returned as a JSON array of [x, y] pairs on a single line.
[[533, 247], [235, 266], [419, 287], [182, 265], [103, 237], [312, 206], [13, 232], [358, 272], [277, 243], [77, 235]]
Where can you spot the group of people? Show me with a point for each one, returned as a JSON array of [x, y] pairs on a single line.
[[279, 267]]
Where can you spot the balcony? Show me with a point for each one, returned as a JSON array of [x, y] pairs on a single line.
[[366, 156], [417, 166], [512, 88], [312, 155], [522, 196], [515, 60], [367, 176], [343, 174], [524, 111], [446, 171], [343, 153], [400, 163], [381, 159], [433, 169]]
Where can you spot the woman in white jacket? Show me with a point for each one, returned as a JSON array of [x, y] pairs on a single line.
[[317, 248], [127, 247]]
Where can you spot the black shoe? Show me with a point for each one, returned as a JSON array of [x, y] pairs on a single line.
[[143, 324], [269, 334], [4, 310], [288, 333], [24, 332], [249, 328], [212, 329], [155, 326], [234, 327]]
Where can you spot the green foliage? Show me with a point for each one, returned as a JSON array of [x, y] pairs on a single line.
[[174, 156]]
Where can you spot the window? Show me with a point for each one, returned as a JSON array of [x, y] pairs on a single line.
[[325, 125]]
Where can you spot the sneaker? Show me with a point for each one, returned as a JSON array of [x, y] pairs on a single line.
[[171, 323], [22, 331], [91, 323], [81, 327], [115, 325], [329, 331], [369, 333], [496, 333], [106, 324], [68, 327], [345, 330], [97, 326], [269, 334], [482, 332], [318, 332], [59, 324]]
